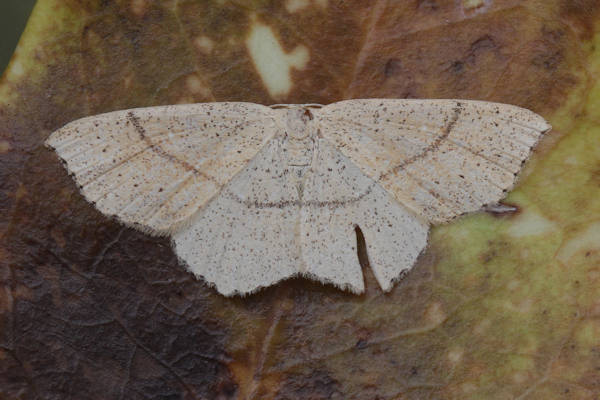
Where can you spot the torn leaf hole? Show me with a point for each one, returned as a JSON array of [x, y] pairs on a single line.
[[361, 248]]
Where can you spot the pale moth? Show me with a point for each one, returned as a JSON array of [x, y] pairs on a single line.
[[251, 195]]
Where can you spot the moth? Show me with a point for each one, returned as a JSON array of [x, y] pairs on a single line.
[[251, 195]]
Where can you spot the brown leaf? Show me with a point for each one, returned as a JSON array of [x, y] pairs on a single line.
[[496, 307]]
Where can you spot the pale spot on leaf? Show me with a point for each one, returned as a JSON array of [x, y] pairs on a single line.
[[586, 241], [572, 161], [195, 85], [525, 306], [128, 81], [520, 377], [513, 285], [21, 192], [482, 327], [594, 274], [138, 7], [293, 6], [530, 223], [4, 146], [204, 44], [588, 333], [468, 387], [522, 306], [472, 4], [435, 313], [455, 355], [16, 69], [272, 63]]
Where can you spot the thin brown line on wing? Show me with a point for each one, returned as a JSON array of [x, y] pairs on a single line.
[[159, 151], [300, 203], [432, 147]]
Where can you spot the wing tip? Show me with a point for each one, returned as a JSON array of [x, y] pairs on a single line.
[[62, 134], [538, 123], [546, 127], [50, 141]]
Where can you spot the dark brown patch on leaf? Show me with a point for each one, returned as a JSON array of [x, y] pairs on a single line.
[[595, 177], [479, 47], [316, 385], [487, 60], [584, 13], [121, 317], [392, 67]]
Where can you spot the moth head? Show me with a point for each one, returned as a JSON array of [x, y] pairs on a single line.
[[297, 121]]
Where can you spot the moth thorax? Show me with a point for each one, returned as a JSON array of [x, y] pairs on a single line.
[[299, 151]]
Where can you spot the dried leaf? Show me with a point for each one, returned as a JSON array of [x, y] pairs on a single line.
[[495, 308]]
